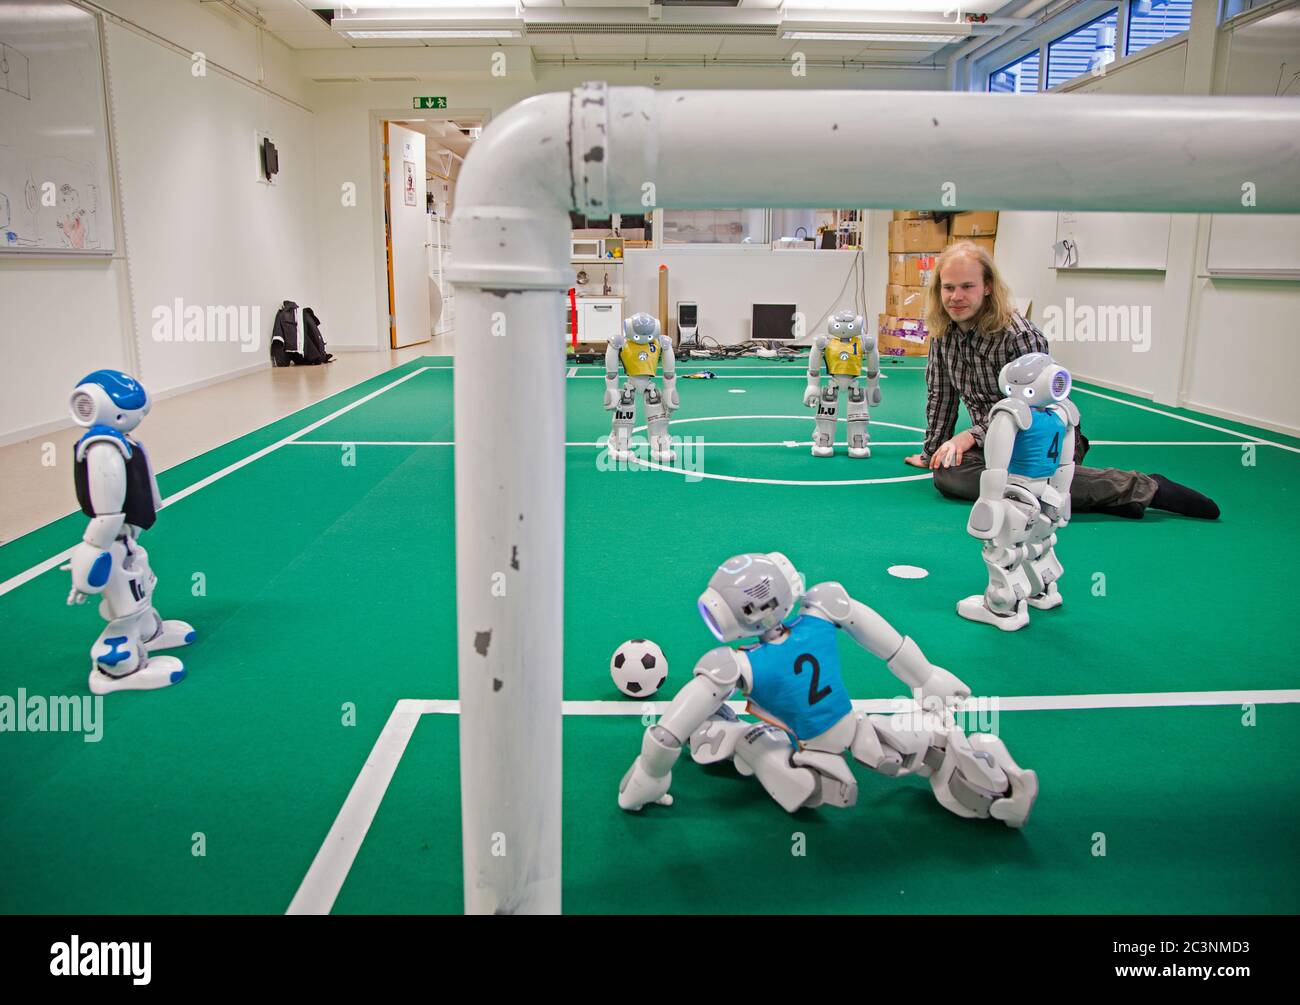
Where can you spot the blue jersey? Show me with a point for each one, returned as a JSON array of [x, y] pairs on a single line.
[[1037, 453], [799, 680]]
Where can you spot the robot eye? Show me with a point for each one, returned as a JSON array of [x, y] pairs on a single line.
[[1008, 390], [1029, 392]]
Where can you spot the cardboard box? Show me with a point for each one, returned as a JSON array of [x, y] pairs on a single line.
[[910, 270], [984, 242], [981, 223], [905, 301], [905, 337], [913, 214], [913, 236]]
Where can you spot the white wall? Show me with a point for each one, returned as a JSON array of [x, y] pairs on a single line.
[[347, 141], [197, 225]]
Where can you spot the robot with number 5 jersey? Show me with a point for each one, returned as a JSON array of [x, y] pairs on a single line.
[[791, 677], [1024, 492], [116, 489], [638, 347]]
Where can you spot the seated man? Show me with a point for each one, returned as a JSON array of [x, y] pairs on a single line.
[[975, 331]]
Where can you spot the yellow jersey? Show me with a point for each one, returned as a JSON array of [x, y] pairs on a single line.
[[640, 360], [844, 357]]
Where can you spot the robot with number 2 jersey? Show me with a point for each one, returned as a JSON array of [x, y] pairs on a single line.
[[638, 347], [116, 489], [1024, 492], [844, 346], [791, 677]]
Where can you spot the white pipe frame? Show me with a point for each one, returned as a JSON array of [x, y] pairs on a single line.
[[601, 150]]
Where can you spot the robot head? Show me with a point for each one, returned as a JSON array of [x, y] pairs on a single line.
[[641, 329], [109, 398], [1035, 378], [845, 324], [750, 594]]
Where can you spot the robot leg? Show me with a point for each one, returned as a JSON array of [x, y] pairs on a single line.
[[119, 659], [1003, 603], [158, 634], [824, 432], [656, 417], [794, 778], [620, 436], [859, 423], [1043, 567]]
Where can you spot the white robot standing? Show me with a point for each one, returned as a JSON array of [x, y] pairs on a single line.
[[1024, 492], [639, 347], [117, 490], [844, 346], [792, 679]]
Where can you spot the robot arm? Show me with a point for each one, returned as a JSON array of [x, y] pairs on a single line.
[[872, 352], [871, 631], [106, 481], [719, 672], [815, 354], [988, 513], [612, 349], [671, 401]]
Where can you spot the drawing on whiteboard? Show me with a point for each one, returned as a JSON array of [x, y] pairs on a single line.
[[66, 217], [10, 237], [72, 221], [13, 72]]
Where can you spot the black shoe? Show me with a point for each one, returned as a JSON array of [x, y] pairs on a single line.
[[1129, 511], [1181, 500]]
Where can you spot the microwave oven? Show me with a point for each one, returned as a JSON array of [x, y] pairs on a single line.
[[587, 248]]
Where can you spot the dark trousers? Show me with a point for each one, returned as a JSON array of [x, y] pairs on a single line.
[[1091, 489]]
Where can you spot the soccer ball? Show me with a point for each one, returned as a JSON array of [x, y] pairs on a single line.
[[638, 668]]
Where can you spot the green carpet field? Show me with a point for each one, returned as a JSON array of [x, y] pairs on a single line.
[[1160, 705]]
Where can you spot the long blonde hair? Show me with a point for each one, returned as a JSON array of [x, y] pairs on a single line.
[[995, 313]]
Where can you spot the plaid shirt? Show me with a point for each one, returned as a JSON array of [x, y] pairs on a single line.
[[966, 367]]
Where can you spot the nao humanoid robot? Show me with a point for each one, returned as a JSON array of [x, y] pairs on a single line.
[[1024, 492], [639, 347], [843, 346], [792, 679], [116, 489]]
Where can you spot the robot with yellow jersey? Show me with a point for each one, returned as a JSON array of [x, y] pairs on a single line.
[[639, 347], [844, 346]]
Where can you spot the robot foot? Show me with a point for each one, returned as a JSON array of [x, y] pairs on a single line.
[[663, 456], [171, 634], [974, 609], [1049, 598], [160, 671], [823, 451], [859, 451]]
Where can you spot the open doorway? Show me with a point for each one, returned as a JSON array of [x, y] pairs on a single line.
[[422, 160]]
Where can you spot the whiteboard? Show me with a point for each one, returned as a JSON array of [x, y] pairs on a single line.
[[1115, 240], [1263, 59], [56, 191]]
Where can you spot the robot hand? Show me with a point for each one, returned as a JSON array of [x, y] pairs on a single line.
[[90, 567], [671, 401], [639, 787], [611, 397], [812, 394], [986, 518], [942, 684], [873, 394]]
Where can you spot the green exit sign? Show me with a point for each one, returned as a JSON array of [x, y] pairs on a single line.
[[430, 102]]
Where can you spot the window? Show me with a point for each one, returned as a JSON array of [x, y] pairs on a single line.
[[1020, 77], [715, 226], [1152, 21], [1084, 50]]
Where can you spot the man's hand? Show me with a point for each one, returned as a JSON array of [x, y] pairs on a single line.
[[917, 461], [949, 455]]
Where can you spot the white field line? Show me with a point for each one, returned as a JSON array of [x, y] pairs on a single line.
[[23, 577]]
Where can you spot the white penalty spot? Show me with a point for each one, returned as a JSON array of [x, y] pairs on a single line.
[[907, 571]]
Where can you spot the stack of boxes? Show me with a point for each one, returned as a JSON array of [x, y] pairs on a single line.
[[916, 237]]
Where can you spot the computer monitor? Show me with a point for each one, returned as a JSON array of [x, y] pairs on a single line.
[[688, 324], [772, 322]]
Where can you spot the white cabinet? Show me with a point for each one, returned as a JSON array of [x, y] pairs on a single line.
[[599, 318]]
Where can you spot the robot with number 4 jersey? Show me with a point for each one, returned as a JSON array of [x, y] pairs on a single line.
[[791, 677], [844, 347], [638, 347], [1024, 492], [116, 489]]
